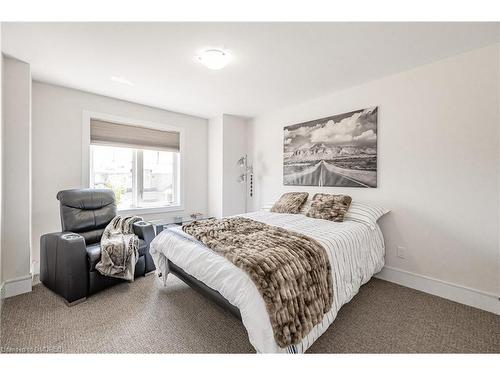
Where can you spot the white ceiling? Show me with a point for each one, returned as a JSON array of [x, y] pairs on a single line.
[[274, 64]]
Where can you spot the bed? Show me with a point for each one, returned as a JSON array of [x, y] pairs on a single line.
[[355, 250]]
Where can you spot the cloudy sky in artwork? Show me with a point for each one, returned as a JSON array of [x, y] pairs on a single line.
[[358, 129]]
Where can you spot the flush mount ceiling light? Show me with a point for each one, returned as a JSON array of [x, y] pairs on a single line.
[[214, 58], [122, 80]]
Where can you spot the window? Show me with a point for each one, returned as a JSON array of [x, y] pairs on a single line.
[[140, 165]]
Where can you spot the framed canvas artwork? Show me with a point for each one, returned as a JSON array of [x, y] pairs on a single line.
[[339, 150]]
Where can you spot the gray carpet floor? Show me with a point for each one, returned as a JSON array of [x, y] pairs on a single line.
[[144, 317]]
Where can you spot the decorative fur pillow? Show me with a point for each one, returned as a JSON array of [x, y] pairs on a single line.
[[290, 203], [306, 206], [329, 206]]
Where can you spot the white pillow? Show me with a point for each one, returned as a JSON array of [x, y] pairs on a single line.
[[267, 207], [366, 213]]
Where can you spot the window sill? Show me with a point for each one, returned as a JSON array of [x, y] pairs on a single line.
[[150, 210]]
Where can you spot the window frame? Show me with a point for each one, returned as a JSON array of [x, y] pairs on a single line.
[[85, 180]]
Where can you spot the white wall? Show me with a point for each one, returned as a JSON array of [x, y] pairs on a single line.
[[1, 171], [438, 149], [215, 161], [16, 234], [227, 143], [234, 147], [57, 153]]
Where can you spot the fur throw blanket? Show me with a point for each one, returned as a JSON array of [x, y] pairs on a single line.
[[291, 271], [119, 248]]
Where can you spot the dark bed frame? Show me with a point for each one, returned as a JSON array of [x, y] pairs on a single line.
[[204, 290]]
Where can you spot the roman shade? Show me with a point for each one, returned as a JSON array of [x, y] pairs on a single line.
[[113, 134]]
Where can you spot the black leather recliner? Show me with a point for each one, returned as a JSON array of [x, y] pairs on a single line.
[[68, 258]]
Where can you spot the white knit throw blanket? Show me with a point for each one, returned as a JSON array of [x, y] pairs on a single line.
[[119, 248]]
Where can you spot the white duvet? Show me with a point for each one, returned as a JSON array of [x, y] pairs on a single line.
[[355, 250]]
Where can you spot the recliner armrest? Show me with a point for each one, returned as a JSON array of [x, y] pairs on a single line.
[[145, 231], [63, 264]]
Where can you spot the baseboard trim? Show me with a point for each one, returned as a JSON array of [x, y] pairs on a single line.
[[454, 292], [16, 286]]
